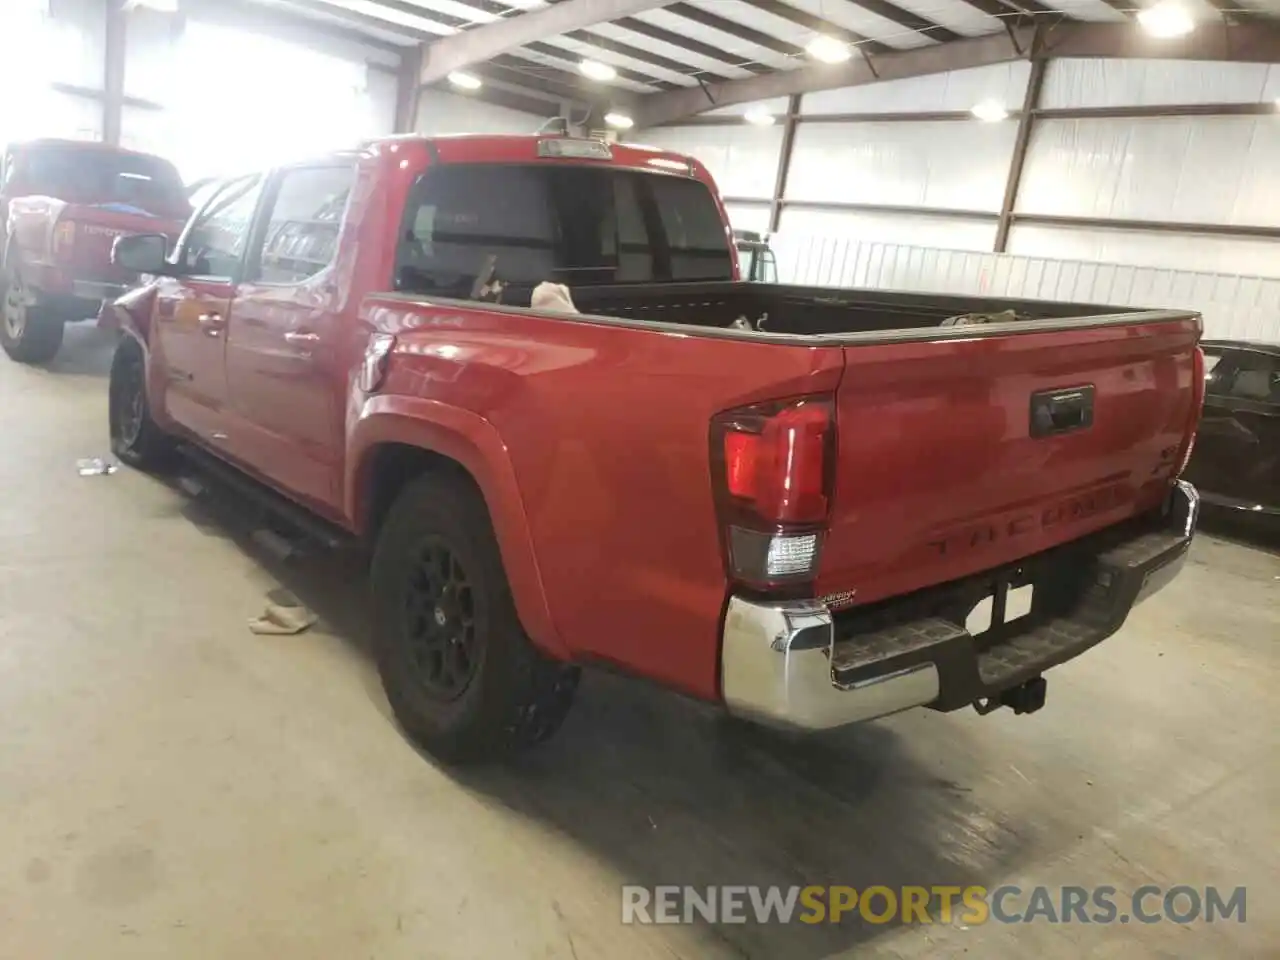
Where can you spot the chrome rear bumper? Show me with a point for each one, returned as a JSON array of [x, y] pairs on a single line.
[[795, 665]]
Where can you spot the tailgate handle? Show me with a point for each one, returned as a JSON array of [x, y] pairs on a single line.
[[1061, 411]]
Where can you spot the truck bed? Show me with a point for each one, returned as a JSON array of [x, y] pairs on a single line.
[[811, 311]]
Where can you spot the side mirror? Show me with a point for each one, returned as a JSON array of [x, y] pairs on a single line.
[[142, 253]]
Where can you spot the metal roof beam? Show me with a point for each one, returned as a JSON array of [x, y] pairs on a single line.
[[297, 15], [807, 20], [1251, 43], [630, 51], [670, 37], [355, 19], [572, 59], [905, 18], [485, 42], [639, 54], [746, 34]]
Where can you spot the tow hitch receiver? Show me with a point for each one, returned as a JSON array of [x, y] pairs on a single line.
[[1027, 697]]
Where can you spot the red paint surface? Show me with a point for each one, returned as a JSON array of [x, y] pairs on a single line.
[[590, 441]]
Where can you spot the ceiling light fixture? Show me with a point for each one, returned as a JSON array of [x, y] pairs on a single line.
[[619, 121], [465, 81], [758, 116], [1166, 19], [828, 49], [990, 111], [595, 70]]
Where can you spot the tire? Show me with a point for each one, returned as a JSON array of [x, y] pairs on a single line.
[[135, 438], [29, 332], [462, 677]]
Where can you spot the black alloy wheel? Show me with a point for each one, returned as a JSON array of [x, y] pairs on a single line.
[[440, 621]]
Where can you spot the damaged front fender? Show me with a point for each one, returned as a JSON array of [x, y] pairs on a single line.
[[131, 312]]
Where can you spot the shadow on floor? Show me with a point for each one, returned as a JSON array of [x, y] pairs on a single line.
[[1256, 532], [86, 351], [669, 791]]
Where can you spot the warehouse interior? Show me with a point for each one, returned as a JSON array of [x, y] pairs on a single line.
[[178, 786]]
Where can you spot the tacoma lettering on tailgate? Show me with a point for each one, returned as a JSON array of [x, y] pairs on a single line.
[[1006, 528]]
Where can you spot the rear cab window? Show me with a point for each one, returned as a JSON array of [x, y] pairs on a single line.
[[89, 174], [559, 222]]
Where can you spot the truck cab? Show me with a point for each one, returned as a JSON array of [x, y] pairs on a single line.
[[63, 203]]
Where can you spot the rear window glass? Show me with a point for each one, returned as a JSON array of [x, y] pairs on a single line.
[[101, 177], [562, 223]]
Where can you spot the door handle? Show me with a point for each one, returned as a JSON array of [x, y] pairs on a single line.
[[301, 337], [212, 324]]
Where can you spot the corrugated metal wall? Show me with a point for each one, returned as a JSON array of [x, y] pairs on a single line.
[[293, 92], [1238, 307], [945, 179]]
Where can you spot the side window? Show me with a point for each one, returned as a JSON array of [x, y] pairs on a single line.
[[694, 231], [215, 240], [301, 234], [1257, 378], [202, 194]]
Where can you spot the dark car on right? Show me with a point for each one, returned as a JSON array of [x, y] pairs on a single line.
[[1236, 462]]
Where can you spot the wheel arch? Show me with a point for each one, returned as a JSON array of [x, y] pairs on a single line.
[[398, 439]]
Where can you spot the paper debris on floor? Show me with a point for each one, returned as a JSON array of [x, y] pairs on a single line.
[[96, 467], [282, 619]]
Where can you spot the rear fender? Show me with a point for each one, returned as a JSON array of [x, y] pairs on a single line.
[[473, 443]]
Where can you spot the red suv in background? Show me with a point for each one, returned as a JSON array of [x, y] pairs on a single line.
[[62, 205]]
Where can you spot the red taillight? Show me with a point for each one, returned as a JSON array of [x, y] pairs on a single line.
[[774, 473], [776, 460], [741, 454], [64, 237]]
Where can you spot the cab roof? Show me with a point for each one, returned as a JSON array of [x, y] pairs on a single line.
[[516, 148], [96, 146]]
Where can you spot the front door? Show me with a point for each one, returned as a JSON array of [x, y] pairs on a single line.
[[1238, 448], [193, 311], [285, 364]]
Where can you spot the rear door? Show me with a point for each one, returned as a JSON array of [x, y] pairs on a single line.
[[962, 453], [192, 312], [285, 383]]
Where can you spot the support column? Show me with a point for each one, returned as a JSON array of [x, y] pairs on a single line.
[[407, 89], [784, 161], [1030, 104], [113, 73]]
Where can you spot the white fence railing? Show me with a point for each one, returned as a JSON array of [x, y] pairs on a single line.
[[1234, 307]]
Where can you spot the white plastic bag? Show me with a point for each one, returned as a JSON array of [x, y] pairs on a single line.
[[552, 296]]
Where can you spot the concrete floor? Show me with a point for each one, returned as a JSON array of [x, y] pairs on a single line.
[[172, 786]]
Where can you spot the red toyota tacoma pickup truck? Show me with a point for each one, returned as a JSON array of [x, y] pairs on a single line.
[[62, 205], [802, 516]]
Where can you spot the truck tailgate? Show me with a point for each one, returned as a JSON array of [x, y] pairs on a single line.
[[96, 229], [959, 454]]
